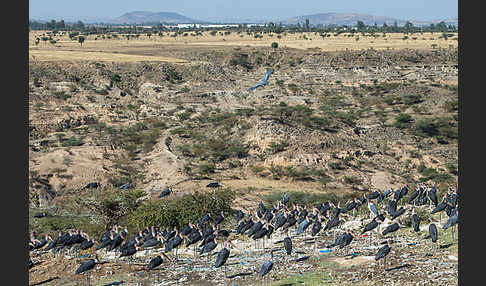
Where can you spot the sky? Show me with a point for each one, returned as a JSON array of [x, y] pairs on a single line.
[[92, 10]]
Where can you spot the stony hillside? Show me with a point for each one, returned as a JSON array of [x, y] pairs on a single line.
[[327, 122]]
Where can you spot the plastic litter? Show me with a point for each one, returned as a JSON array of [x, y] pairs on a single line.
[[325, 250]]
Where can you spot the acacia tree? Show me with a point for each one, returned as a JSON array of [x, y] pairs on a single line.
[[81, 40]]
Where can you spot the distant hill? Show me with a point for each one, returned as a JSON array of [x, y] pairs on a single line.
[[337, 19], [141, 17], [340, 19], [448, 21], [350, 19]]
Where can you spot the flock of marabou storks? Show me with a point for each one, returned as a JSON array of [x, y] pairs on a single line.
[[261, 223]]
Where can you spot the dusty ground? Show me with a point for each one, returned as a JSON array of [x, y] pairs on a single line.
[[412, 261]]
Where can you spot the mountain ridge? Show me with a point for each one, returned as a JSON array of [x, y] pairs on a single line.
[[331, 18]]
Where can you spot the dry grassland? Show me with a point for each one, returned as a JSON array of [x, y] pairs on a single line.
[[155, 47]]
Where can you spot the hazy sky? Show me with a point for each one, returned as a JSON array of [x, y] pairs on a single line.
[[87, 10]]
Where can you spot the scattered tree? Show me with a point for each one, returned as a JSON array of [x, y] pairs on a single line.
[[81, 40]]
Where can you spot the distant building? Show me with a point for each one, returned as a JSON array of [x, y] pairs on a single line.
[[182, 26], [219, 25]]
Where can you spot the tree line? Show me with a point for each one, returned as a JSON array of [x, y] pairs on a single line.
[[270, 27]]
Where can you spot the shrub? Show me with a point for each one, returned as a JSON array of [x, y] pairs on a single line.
[[61, 95], [451, 106], [277, 147], [440, 128], [274, 45], [115, 78], [434, 175], [452, 168], [351, 180], [241, 60], [206, 169], [412, 99], [427, 127], [101, 91], [403, 120], [180, 211], [337, 165], [72, 141], [293, 87], [305, 198], [392, 100], [114, 206]]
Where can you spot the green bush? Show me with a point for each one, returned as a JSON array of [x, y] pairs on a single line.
[[61, 223], [434, 175], [274, 147], [427, 127], [412, 99], [115, 206], [451, 106], [403, 120], [452, 168], [274, 45], [101, 91], [72, 141], [173, 76], [439, 127], [241, 60], [337, 165], [61, 95], [180, 211], [207, 169], [392, 100], [115, 78], [307, 199], [351, 180]]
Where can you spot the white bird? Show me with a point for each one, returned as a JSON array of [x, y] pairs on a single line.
[[372, 208]]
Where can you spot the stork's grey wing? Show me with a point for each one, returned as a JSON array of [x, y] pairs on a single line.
[[257, 85], [267, 75]]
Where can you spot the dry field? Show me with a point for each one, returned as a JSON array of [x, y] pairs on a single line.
[[158, 48]]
